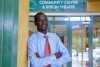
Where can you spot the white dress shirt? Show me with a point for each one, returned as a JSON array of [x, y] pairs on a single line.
[[36, 43]]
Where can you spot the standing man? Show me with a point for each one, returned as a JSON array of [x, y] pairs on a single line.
[[45, 49]]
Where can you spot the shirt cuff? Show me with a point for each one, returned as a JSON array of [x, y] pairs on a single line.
[[54, 57]]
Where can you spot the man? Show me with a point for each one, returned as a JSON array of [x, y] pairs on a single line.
[[41, 55]]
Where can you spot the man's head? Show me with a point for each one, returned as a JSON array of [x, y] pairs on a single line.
[[41, 22]]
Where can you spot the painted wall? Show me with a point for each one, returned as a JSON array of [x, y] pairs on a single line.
[[23, 33], [93, 7], [8, 32]]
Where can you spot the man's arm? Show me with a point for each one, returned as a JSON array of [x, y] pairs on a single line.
[[35, 59], [58, 55], [65, 56]]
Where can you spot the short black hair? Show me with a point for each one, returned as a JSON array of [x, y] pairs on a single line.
[[39, 13]]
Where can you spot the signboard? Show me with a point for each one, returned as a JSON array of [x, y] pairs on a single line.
[[56, 5]]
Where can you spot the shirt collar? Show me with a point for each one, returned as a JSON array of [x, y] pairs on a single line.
[[39, 34]]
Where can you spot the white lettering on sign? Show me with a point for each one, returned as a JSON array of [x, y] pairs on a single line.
[[50, 7], [50, 2], [58, 7], [58, 2], [67, 7], [70, 2]]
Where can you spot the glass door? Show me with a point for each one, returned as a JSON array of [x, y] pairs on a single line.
[[96, 42], [58, 25], [80, 41], [74, 33], [80, 47], [60, 28]]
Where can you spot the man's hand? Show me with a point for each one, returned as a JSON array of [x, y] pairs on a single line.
[[37, 55], [58, 55]]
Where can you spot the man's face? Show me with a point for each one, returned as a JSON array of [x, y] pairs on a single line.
[[41, 23]]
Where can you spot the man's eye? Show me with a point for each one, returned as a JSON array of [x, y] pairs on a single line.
[[40, 22]]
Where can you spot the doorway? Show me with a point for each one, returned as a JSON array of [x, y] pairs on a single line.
[[74, 33]]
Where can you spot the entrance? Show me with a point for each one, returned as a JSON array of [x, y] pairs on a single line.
[[74, 33]]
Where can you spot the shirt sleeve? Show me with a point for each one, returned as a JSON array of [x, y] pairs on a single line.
[[34, 60], [65, 54]]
